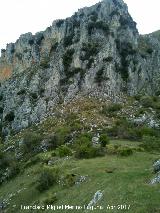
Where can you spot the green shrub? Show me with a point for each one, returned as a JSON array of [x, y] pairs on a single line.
[[3, 160], [146, 131], [147, 101], [34, 95], [31, 42], [19, 56], [78, 70], [59, 22], [108, 59], [46, 179], [84, 139], [125, 49], [63, 151], [68, 40], [76, 23], [98, 25], [32, 161], [31, 143], [9, 167], [112, 149], [93, 16], [111, 109], [67, 60], [1, 97], [10, 116], [70, 179], [104, 140], [77, 126], [13, 170], [85, 151], [150, 143], [90, 62], [99, 75], [38, 38], [90, 49], [124, 151], [21, 92], [125, 129], [149, 50], [60, 137], [54, 47], [45, 62]]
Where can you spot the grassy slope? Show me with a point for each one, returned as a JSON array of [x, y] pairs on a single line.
[[128, 184]]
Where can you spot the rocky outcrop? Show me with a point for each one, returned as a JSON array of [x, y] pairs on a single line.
[[97, 51]]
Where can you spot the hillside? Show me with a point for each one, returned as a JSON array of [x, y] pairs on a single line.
[[105, 149], [97, 51], [80, 116]]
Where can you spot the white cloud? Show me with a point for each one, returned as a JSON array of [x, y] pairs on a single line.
[[21, 16]]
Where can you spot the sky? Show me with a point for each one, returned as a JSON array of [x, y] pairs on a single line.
[[21, 16]]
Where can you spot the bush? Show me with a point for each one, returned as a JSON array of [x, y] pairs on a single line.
[[85, 151], [19, 56], [124, 129], [1, 97], [21, 92], [111, 109], [98, 25], [54, 47], [99, 76], [63, 151], [149, 50], [90, 49], [59, 22], [146, 131], [108, 59], [10, 116], [34, 95], [45, 62], [31, 143], [147, 101], [68, 40], [67, 60], [13, 170], [46, 179], [150, 143], [3, 161], [93, 16], [38, 38], [31, 42], [70, 179], [84, 139], [112, 149], [32, 161], [90, 62], [125, 49], [59, 138], [127, 130], [9, 167], [124, 151], [104, 140]]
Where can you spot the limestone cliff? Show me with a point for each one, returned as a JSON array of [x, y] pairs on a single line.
[[98, 51]]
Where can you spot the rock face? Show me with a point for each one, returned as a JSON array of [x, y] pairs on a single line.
[[98, 51]]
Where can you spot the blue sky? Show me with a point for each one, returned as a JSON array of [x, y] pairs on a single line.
[[21, 16]]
